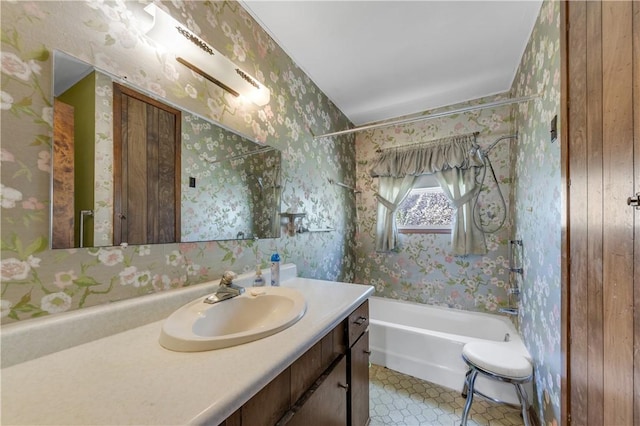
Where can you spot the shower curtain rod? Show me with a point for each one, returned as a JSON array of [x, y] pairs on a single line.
[[430, 116], [427, 143], [333, 182], [235, 157]]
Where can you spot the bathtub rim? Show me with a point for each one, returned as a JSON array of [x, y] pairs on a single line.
[[516, 341]]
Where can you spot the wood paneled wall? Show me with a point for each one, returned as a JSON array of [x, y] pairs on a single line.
[[636, 224], [603, 325]]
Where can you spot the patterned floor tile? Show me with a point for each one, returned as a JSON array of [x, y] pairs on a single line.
[[400, 400]]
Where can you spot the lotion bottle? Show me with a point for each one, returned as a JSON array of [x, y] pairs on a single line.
[[258, 280]]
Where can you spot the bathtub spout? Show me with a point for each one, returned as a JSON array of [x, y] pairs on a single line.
[[508, 311]]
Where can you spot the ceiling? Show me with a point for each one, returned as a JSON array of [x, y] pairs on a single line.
[[378, 60]]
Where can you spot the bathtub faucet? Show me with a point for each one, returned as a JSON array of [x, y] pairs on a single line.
[[226, 290]]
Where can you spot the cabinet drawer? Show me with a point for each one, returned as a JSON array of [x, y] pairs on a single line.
[[357, 323]]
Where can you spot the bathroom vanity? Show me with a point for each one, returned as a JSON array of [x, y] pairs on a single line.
[[327, 385], [128, 378]]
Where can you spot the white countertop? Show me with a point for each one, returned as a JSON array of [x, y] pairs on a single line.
[[128, 378]]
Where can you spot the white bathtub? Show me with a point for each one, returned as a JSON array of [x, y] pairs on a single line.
[[426, 341]]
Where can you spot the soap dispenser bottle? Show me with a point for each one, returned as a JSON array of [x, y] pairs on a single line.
[[275, 269], [258, 280]]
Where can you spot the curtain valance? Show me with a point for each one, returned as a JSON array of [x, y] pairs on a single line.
[[426, 158], [453, 161]]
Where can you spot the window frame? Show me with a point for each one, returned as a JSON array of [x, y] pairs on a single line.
[[426, 183]]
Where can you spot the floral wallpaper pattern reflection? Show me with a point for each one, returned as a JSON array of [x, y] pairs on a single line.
[[37, 281], [228, 198]]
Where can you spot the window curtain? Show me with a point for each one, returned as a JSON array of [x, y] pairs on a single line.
[[460, 186], [454, 161], [391, 192]]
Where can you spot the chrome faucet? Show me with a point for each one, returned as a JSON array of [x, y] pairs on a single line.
[[226, 290]]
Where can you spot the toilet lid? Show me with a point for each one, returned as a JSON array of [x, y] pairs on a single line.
[[498, 359]]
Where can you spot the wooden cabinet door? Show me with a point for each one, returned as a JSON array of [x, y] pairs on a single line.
[[146, 169], [305, 371], [268, 405], [359, 382], [327, 406], [603, 85]]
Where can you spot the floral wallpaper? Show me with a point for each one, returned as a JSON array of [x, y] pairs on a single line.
[[234, 195], [38, 281], [424, 269], [219, 203], [537, 207], [103, 179]]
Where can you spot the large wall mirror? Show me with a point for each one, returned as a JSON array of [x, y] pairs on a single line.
[[129, 168]]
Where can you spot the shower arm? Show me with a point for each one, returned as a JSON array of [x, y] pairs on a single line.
[[486, 152]]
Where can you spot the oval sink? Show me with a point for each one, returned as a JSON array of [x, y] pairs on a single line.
[[259, 312]]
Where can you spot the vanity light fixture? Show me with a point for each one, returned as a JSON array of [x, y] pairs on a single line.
[[194, 53]]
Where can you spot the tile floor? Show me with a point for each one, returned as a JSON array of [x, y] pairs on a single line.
[[401, 400]]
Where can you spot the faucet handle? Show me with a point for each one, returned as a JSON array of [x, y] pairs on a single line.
[[228, 277]]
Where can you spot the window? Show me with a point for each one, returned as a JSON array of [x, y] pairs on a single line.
[[426, 209]]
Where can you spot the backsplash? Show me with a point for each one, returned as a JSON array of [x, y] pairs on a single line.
[[39, 281]]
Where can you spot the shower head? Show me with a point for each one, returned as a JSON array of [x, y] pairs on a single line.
[[475, 150]]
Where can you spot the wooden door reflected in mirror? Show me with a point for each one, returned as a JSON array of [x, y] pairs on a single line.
[[147, 174], [63, 188]]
